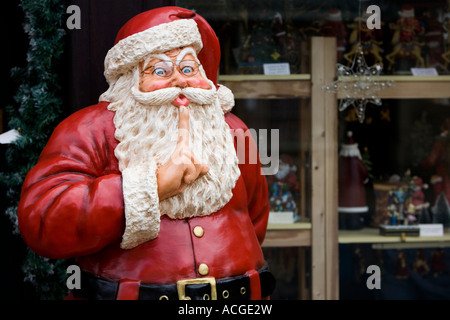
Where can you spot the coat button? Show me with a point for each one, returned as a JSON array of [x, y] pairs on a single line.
[[203, 269], [199, 232]]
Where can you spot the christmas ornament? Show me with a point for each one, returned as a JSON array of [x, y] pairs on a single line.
[[358, 84]]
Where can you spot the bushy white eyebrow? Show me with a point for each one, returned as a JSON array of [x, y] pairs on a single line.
[[180, 56], [186, 51], [160, 56]]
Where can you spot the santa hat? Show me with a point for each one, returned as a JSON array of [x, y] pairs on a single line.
[[334, 15], [160, 30], [407, 12]]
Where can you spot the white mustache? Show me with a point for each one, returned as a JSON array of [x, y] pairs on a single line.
[[167, 95]]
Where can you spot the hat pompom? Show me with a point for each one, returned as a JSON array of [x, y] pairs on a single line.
[[226, 98], [349, 139]]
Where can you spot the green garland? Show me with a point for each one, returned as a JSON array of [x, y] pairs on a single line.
[[38, 111]]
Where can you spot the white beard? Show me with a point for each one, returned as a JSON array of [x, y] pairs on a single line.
[[147, 131]]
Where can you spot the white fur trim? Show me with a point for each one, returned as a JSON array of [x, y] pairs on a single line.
[[226, 98], [353, 209], [350, 150], [142, 215], [164, 37]]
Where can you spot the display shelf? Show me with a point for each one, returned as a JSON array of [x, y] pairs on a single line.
[[288, 235], [371, 235], [262, 77], [268, 87], [414, 87], [318, 158]]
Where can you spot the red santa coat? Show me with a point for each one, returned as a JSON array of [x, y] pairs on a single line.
[[439, 159], [72, 206], [352, 178]]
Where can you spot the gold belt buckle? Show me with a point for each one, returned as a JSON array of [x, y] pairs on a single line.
[[181, 287]]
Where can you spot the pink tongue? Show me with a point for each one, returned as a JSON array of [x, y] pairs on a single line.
[[181, 101]]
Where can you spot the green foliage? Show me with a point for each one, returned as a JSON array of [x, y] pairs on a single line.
[[367, 163], [37, 111], [47, 276]]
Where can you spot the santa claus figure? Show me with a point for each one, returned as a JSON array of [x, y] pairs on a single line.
[[145, 189], [353, 176]]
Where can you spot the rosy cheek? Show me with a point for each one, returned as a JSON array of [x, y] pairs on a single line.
[[149, 86], [198, 83]]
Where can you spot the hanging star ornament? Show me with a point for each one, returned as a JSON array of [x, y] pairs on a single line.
[[358, 85]]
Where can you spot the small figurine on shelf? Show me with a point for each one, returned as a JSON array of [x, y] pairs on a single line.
[[364, 39], [437, 262], [284, 187], [446, 54], [420, 264], [334, 27], [410, 215], [393, 214], [400, 196], [359, 257], [281, 198], [418, 197], [406, 39], [287, 174], [401, 269], [434, 39]]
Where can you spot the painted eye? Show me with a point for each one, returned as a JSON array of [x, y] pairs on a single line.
[[162, 69], [160, 72], [187, 70]]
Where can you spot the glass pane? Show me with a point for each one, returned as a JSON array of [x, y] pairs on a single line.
[[401, 34], [400, 140]]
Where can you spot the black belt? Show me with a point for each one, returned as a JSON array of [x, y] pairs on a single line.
[[233, 288]]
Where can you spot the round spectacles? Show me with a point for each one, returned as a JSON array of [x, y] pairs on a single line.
[[164, 69]]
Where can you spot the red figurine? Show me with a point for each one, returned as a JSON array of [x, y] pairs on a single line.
[[145, 189], [420, 264], [353, 175], [401, 269], [440, 160], [437, 262], [333, 26], [405, 40]]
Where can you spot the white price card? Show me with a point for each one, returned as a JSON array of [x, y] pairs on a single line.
[[431, 229], [276, 68], [424, 72]]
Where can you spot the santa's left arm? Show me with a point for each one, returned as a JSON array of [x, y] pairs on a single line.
[[255, 181]]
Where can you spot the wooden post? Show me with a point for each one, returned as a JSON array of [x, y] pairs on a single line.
[[324, 155]]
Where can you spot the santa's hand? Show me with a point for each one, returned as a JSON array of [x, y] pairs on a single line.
[[183, 167]]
